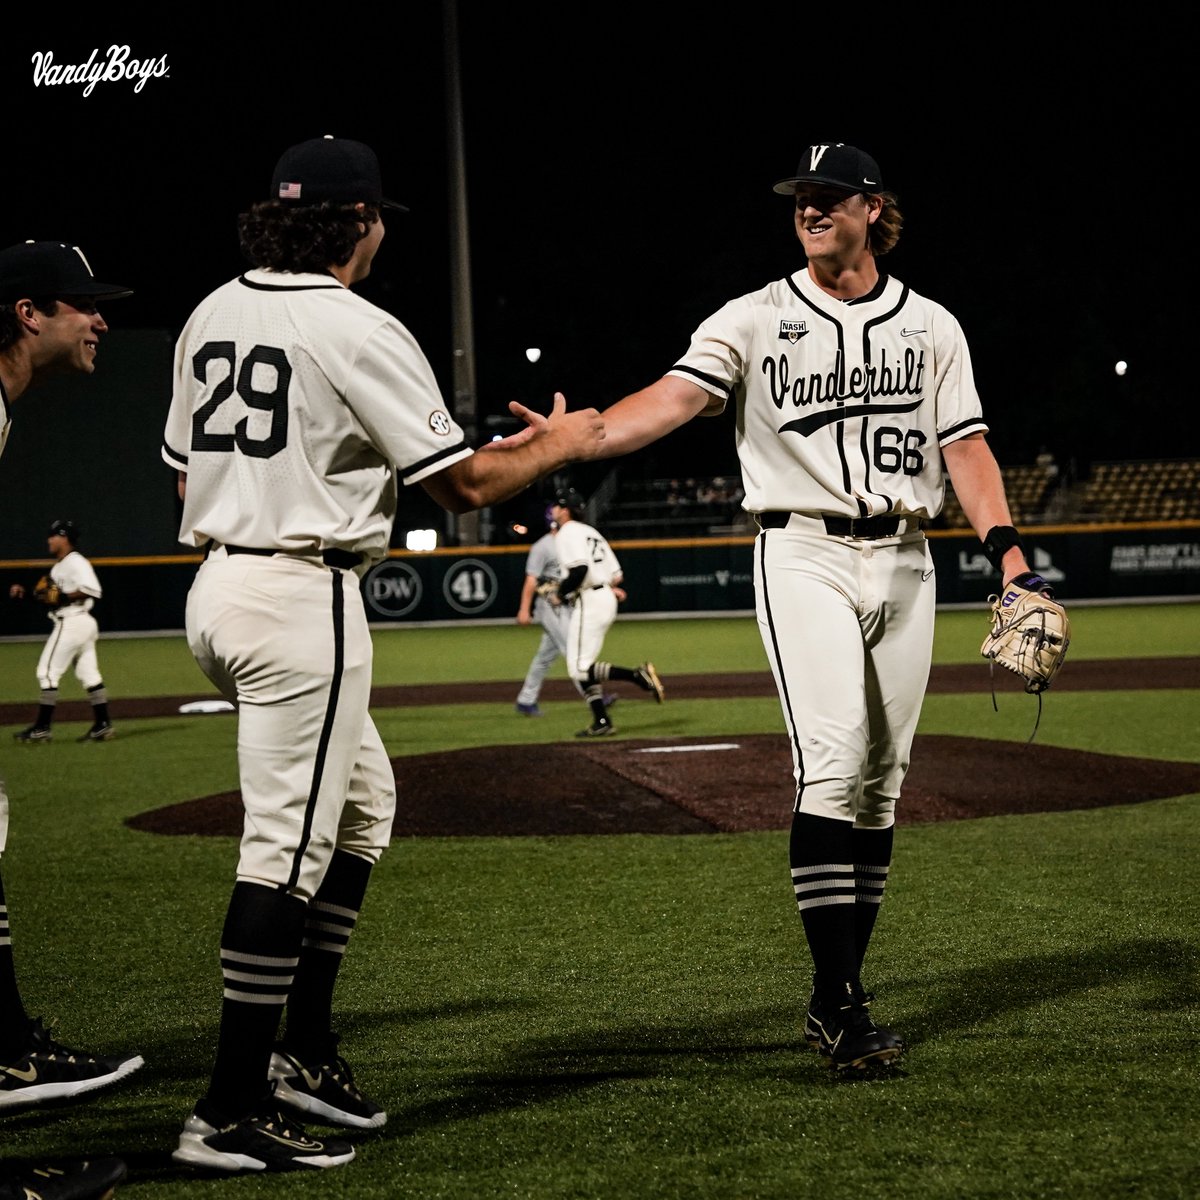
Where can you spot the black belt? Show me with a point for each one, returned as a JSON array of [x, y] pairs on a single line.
[[331, 558], [858, 527]]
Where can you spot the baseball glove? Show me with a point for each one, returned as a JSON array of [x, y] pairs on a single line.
[[547, 589], [1030, 631], [46, 590]]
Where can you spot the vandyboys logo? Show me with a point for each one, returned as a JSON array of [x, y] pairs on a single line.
[[116, 66]]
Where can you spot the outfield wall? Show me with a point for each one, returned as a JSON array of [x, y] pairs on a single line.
[[710, 575]]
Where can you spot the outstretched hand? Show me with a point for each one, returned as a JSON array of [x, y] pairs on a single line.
[[581, 432]]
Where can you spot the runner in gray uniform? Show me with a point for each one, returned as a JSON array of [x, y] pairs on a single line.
[[855, 398], [591, 587], [297, 406], [49, 324], [541, 565]]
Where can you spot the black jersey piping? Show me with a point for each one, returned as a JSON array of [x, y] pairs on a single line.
[[838, 412], [412, 468], [726, 388], [864, 443], [784, 697], [337, 616], [945, 435], [290, 287]]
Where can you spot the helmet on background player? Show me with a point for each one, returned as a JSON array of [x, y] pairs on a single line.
[[569, 499], [65, 529]]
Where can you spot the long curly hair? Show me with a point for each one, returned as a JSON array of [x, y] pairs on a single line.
[[308, 238], [885, 233]]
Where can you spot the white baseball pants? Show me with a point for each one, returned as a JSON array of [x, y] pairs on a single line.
[[847, 625], [286, 639]]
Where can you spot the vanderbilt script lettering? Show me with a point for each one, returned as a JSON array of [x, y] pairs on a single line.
[[905, 377], [115, 66]]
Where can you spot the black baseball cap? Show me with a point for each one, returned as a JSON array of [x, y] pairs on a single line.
[[52, 269], [837, 164], [65, 529], [331, 169]]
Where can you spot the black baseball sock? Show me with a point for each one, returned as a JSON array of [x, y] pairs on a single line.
[[14, 1020], [601, 672], [823, 878], [330, 919], [872, 858], [98, 698], [45, 712], [260, 948]]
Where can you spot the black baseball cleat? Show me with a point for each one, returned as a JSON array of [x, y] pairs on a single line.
[[86, 1179], [599, 729], [646, 677], [841, 1029], [812, 1030], [322, 1087], [48, 1070], [101, 732], [262, 1141], [35, 733]]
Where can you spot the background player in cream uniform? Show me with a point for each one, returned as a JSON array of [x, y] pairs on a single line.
[[855, 396], [296, 405], [591, 585], [72, 643], [49, 324]]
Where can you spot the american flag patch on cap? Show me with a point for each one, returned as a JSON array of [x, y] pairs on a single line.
[[289, 191]]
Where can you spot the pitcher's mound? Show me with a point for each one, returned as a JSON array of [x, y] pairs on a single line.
[[709, 785]]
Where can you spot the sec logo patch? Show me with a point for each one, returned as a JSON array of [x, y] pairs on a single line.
[[439, 422]]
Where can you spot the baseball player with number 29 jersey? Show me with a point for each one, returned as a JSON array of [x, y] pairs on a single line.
[[296, 406], [855, 397]]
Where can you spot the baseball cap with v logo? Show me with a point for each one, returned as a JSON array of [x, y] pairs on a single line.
[[837, 164]]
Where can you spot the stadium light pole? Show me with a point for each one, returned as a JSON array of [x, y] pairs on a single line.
[[465, 525]]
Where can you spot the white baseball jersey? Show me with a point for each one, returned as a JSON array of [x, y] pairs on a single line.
[[74, 573], [580, 544], [296, 402], [843, 405]]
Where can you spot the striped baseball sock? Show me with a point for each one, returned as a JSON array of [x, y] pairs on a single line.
[[98, 698], [260, 947], [872, 858], [14, 1020], [328, 923], [823, 880]]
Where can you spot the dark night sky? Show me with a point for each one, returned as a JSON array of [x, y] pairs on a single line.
[[619, 171]]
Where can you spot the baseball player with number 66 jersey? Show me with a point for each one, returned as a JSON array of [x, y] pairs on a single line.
[[855, 396]]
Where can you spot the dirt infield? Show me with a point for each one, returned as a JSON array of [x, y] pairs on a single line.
[[719, 785]]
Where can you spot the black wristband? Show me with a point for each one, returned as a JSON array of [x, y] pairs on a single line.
[[1000, 539]]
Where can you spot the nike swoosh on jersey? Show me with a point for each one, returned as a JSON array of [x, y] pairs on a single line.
[[849, 412], [910, 332], [926, 574]]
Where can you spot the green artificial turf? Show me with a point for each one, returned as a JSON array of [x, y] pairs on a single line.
[[620, 1016]]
